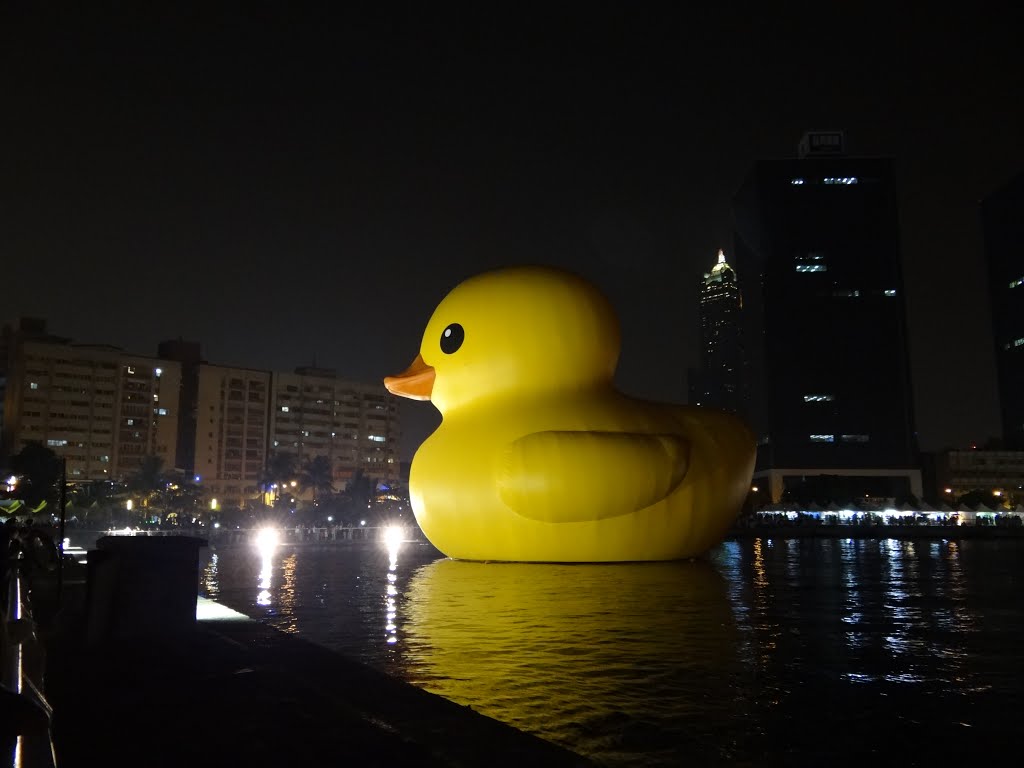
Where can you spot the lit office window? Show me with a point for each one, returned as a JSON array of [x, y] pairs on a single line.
[[56, 443], [284, 409], [823, 438], [890, 292], [840, 180], [811, 262], [796, 182], [1017, 283], [818, 398], [375, 438], [33, 385]]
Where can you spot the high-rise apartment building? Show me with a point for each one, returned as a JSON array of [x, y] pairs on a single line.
[[721, 382], [817, 241], [1002, 215], [354, 425], [101, 409], [105, 410], [232, 428]]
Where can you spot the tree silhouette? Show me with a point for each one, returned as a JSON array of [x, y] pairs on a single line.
[[38, 470], [149, 478], [280, 470], [183, 498], [358, 494], [317, 476], [981, 496]]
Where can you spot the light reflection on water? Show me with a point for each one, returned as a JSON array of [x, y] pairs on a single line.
[[209, 579], [391, 593], [522, 643], [266, 572], [766, 654]]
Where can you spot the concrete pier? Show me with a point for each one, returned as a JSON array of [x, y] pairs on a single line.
[[238, 693]]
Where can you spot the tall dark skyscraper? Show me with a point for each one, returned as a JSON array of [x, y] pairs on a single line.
[[817, 243], [721, 381], [1002, 216]]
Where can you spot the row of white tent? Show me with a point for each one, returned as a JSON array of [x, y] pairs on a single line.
[[926, 510], [858, 507]]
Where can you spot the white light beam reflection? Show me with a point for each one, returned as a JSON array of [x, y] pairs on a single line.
[[266, 543], [393, 537]]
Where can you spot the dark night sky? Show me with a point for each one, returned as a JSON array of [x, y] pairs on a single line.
[[280, 183]]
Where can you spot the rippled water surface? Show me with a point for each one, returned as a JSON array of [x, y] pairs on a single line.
[[783, 652]]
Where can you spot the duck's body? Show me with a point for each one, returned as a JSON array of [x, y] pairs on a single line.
[[539, 458]]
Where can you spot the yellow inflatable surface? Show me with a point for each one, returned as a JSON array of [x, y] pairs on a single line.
[[538, 457]]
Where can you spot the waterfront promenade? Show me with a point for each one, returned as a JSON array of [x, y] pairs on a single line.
[[780, 527], [244, 694], [765, 525], [238, 693]]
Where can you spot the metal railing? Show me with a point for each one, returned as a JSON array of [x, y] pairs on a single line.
[[26, 729]]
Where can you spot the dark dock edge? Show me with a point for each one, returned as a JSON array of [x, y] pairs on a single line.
[[240, 693]]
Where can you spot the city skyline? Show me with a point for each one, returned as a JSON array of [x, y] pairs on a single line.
[[283, 186], [229, 430]]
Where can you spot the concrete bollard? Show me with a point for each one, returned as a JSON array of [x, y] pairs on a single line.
[[142, 586]]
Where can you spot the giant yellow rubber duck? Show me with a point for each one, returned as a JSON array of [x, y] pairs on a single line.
[[538, 457]]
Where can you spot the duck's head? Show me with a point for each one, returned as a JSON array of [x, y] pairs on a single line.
[[513, 332]]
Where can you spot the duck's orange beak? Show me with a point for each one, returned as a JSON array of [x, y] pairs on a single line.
[[416, 382]]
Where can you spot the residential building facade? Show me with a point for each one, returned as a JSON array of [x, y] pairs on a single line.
[[97, 407], [232, 428], [355, 425], [105, 410], [962, 471]]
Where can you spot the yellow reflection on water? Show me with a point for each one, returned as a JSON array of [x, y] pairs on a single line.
[[287, 592], [760, 575], [534, 644]]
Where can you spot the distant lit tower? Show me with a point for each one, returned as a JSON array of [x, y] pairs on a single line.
[[720, 382], [1002, 217]]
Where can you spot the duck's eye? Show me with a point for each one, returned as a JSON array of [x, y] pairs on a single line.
[[451, 338]]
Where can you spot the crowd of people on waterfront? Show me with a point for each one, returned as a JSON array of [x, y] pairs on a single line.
[[800, 519]]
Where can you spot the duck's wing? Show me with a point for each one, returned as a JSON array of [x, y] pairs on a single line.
[[562, 477]]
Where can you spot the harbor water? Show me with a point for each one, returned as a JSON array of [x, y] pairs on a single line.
[[772, 651]]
